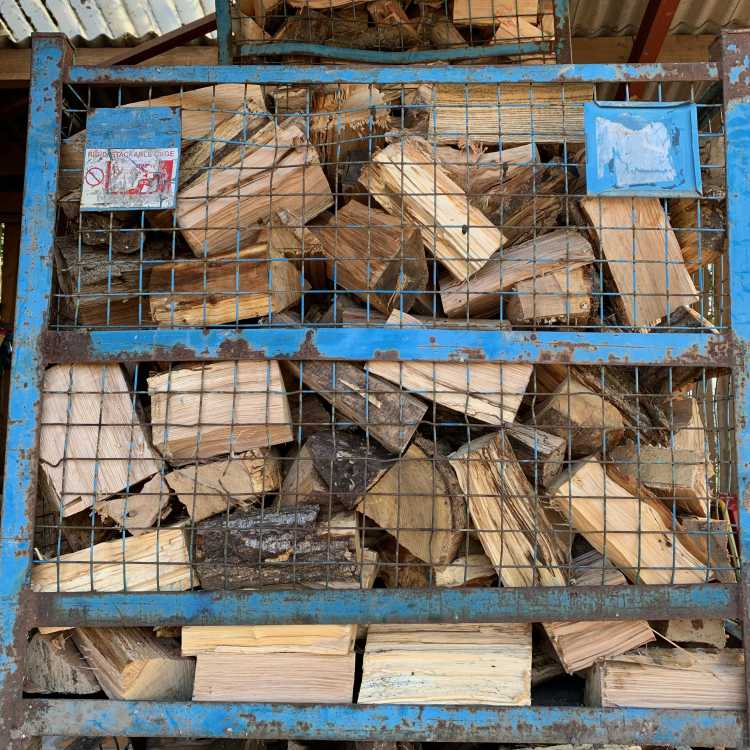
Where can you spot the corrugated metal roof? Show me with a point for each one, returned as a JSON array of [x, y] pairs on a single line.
[[623, 17], [92, 21], [129, 21]]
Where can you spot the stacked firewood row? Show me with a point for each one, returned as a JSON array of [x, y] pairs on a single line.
[[353, 206]]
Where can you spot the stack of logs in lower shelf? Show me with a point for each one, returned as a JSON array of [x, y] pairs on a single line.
[[314, 474]]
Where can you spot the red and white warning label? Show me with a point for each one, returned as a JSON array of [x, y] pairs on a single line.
[[129, 178]]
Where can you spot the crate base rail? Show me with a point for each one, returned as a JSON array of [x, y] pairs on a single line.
[[391, 343], [537, 724], [397, 605]]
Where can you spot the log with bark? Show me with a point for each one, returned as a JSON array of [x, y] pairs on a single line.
[[264, 547], [54, 665], [420, 503]]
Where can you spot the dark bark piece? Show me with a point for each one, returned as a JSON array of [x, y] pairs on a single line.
[[347, 464], [55, 665], [257, 548]]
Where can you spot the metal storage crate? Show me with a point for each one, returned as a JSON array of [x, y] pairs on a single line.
[[61, 325]]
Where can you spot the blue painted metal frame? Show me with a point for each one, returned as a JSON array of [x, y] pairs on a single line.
[[18, 606]]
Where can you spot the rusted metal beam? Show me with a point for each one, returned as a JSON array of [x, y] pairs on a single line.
[[165, 42], [649, 40]]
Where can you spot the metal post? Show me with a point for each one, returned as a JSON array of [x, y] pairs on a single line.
[[224, 31], [563, 35], [735, 48], [49, 59]]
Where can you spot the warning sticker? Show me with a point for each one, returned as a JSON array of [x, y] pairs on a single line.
[[129, 178]]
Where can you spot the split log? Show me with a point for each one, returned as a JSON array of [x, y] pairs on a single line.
[[348, 122], [545, 667], [406, 180], [309, 415], [155, 561], [443, 34], [275, 678], [508, 113], [512, 525], [490, 12], [420, 502], [333, 470], [631, 531], [563, 298], [643, 257], [133, 664], [375, 255], [260, 548], [695, 632], [540, 454], [587, 422], [383, 410], [580, 644], [700, 227], [240, 481], [678, 476], [92, 444], [392, 13], [258, 280], [137, 513], [55, 665], [268, 639], [563, 250], [708, 538], [484, 391], [279, 171], [216, 408], [399, 569], [455, 664], [472, 570], [670, 678]]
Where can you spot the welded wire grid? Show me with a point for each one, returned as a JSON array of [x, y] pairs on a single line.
[[441, 204], [393, 26], [289, 474]]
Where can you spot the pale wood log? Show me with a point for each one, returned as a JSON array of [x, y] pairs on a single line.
[[631, 531], [579, 644], [275, 678], [563, 297], [508, 113], [155, 561], [700, 229], [511, 522], [489, 12], [453, 664], [240, 480], [207, 410], [643, 257], [268, 639], [392, 13], [54, 665], [471, 570], [678, 476], [138, 512], [256, 281], [539, 453], [587, 422], [92, 444], [265, 547], [709, 538], [420, 502], [133, 664], [406, 180], [368, 249], [696, 632], [484, 391], [544, 664], [670, 678], [220, 211], [563, 250], [444, 34]]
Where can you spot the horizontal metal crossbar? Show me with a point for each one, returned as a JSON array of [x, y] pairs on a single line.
[[387, 605], [395, 74], [385, 722], [390, 343]]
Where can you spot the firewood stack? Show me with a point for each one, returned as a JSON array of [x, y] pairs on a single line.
[[346, 206]]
